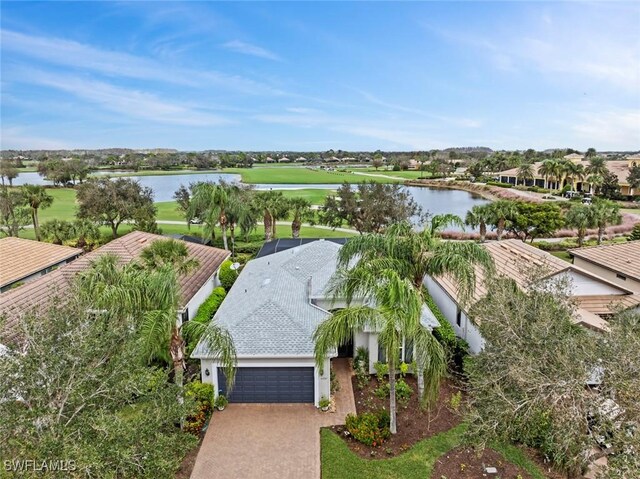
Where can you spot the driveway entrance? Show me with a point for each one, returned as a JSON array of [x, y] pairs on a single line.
[[266, 441]]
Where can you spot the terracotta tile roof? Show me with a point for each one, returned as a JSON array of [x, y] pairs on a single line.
[[39, 292], [622, 258], [515, 259], [606, 304], [20, 258]]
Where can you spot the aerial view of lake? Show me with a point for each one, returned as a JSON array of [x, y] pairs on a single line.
[[432, 200]]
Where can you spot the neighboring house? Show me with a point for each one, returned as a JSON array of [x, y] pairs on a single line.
[[272, 312], [23, 260], [620, 168], [619, 263], [195, 287], [596, 298], [189, 239]]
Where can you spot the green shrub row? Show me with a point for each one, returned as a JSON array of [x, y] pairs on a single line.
[[202, 394], [210, 306], [226, 275], [500, 184], [456, 348]]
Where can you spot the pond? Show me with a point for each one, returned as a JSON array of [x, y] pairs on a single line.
[[432, 200]]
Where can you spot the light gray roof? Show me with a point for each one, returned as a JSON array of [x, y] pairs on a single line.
[[268, 311]]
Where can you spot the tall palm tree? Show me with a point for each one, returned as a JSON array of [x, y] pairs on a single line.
[[597, 166], [274, 206], [580, 217], [478, 217], [36, 198], [576, 172], [595, 182], [301, 209], [388, 260], [212, 200], [605, 213], [395, 314], [168, 252], [500, 211], [548, 169], [525, 172]]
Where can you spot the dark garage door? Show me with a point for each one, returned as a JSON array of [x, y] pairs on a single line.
[[270, 385]]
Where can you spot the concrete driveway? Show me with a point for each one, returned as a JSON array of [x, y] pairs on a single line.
[[270, 441]]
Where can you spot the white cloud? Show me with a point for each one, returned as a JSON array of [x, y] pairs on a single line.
[[127, 102], [615, 130], [85, 57], [16, 138], [250, 49]]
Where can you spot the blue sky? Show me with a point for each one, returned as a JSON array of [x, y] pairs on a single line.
[[314, 76]]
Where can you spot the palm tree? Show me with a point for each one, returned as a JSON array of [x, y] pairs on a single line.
[[547, 169], [597, 166], [500, 211], [401, 255], [212, 201], [36, 197], [273, 205], [168, 252], [395, 314], [576, 172], [301, 209], [478, 217], [525, 172], [595, 181], [581, 218], [605, 213]]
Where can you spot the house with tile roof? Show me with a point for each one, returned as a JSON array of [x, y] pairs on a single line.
[[23, 260], [597, 298], [195, 287], [619, 263], [271, 312]]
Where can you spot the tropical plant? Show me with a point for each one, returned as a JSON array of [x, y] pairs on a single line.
[[597, 166], [550, 169], [301, 209], [14, 214], [227, 275], [595, 182], [525, 172], [576, 172], [534, 220], [478, 217], [36, 197], [634, 177], [273, 205], [212, 202], [635, 233], [387, 276], [605, 213], [500, 211], [580, 217]]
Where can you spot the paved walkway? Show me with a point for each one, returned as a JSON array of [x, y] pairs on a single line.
[[270, 441]]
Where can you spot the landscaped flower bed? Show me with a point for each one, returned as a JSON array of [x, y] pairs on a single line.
[[414, 423]]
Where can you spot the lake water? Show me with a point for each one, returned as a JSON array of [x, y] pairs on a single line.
[[432, 200]]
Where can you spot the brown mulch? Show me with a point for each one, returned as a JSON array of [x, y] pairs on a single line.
[[464, 463], [414, 423]]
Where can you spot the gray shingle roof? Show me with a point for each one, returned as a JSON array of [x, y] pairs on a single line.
[[268, 312]]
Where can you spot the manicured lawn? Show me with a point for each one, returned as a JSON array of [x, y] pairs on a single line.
[[338, 462], [315, 196], [291, 175], [63, 206], [409, 175], [562, 255], [159, 172]]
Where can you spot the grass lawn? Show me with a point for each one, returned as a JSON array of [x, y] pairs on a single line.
[[562, 255], [339, 462], [63, 206], [409, 174], [158, 172], [290, 175]]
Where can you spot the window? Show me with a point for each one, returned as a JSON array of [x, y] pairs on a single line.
[[621, 276], [459, 317], [185, 316]]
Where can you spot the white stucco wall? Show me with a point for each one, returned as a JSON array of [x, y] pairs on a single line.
[[449, 308], [607, 274], [583, 285], [202, 294]]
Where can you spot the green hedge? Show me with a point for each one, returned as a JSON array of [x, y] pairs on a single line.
[[210, 306], [501, 185], [227, 276], [457, 348]]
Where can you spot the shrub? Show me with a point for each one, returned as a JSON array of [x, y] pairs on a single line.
[[202, 394], [403, 391], [334, 383], [227, 276], [210, 305], [635, 233], [366, 429], [382, 392], [221, 401], [362, 356], [501, 185], [404, 369], [324, 402], [362, 375], [384, 418], [455, 401], [382, 369]]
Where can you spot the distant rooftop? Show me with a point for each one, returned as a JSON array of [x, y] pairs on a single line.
[[21, 258], [620, 257], [277, 245]]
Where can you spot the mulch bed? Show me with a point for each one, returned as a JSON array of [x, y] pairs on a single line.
[[464, 463], [189, 461], [414, 423]]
